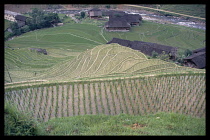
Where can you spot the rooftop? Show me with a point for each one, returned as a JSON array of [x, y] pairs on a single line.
[[198, 58]]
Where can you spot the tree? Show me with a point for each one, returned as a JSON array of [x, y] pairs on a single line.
[[154, 54], [15, 29], [25, 29], [187, 52], [82, 14], [107, 6]]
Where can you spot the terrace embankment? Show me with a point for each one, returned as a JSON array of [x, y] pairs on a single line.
[[180, 93]]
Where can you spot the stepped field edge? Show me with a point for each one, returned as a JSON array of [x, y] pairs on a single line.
[[36, 83]]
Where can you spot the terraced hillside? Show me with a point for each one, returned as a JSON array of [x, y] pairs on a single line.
[[110, 79], [110, 60], [180, 93]]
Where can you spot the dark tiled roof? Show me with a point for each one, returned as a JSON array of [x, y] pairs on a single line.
[[198, 58], [145, 47], [122, 42], [122, 20], [199, 50], [117, 22], [132, 18], [21, 18]]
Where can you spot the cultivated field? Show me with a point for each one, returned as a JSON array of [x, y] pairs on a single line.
[[180, 93], [110, 60], [81, 75], [67, 42]]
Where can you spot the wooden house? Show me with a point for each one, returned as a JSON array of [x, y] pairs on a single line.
[[122, 22], [21, 20], [133, 19], [146, 47], [117, 24], [95, 13], [9, 15], [197, 59]]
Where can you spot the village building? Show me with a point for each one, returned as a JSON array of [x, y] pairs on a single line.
[[21, 20], [15, 17], [133, 19], [117, 24], [197, 59], [146, 47], [122, 22], [9, 15], [95, 13]]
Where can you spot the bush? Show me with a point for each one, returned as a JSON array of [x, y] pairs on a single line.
[[25, 29], [154, 54], [16, 123], [82, 14], [187, 52]]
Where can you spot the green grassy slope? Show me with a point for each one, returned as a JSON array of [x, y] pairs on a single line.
[[188, 9], [123, 124]]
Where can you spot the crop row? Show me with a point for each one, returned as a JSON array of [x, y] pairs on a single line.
[[181, 94]]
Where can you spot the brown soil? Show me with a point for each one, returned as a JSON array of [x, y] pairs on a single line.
[[136, 126]]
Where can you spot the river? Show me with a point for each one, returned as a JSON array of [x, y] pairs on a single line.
[[171, 20], [150, 16]]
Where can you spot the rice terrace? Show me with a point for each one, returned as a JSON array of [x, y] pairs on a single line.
[[66, 79]]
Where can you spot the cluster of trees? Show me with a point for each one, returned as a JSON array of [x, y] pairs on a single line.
[[38, 20], [41, 20], [179, 58]]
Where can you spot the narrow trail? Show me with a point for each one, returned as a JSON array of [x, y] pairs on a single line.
[[165, 11], [102, 29]]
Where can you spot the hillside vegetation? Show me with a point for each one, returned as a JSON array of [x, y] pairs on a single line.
[[111, 60], [124, 124], [81, 75]]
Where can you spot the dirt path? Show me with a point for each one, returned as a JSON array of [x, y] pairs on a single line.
[[60, 107], [165, 11], [87, 99], [99, 106], [70, 101], [81, 100], [110, 100], [65, 105], [93, 104], [49, 99]]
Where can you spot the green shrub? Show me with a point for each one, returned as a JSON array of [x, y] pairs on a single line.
[[154, 54], [16, 123]]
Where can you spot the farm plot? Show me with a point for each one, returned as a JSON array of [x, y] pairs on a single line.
[[66, 42], [180, 93], [108, 60]]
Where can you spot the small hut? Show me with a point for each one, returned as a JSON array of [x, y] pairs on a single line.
[[95, 13], [38, 50]]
